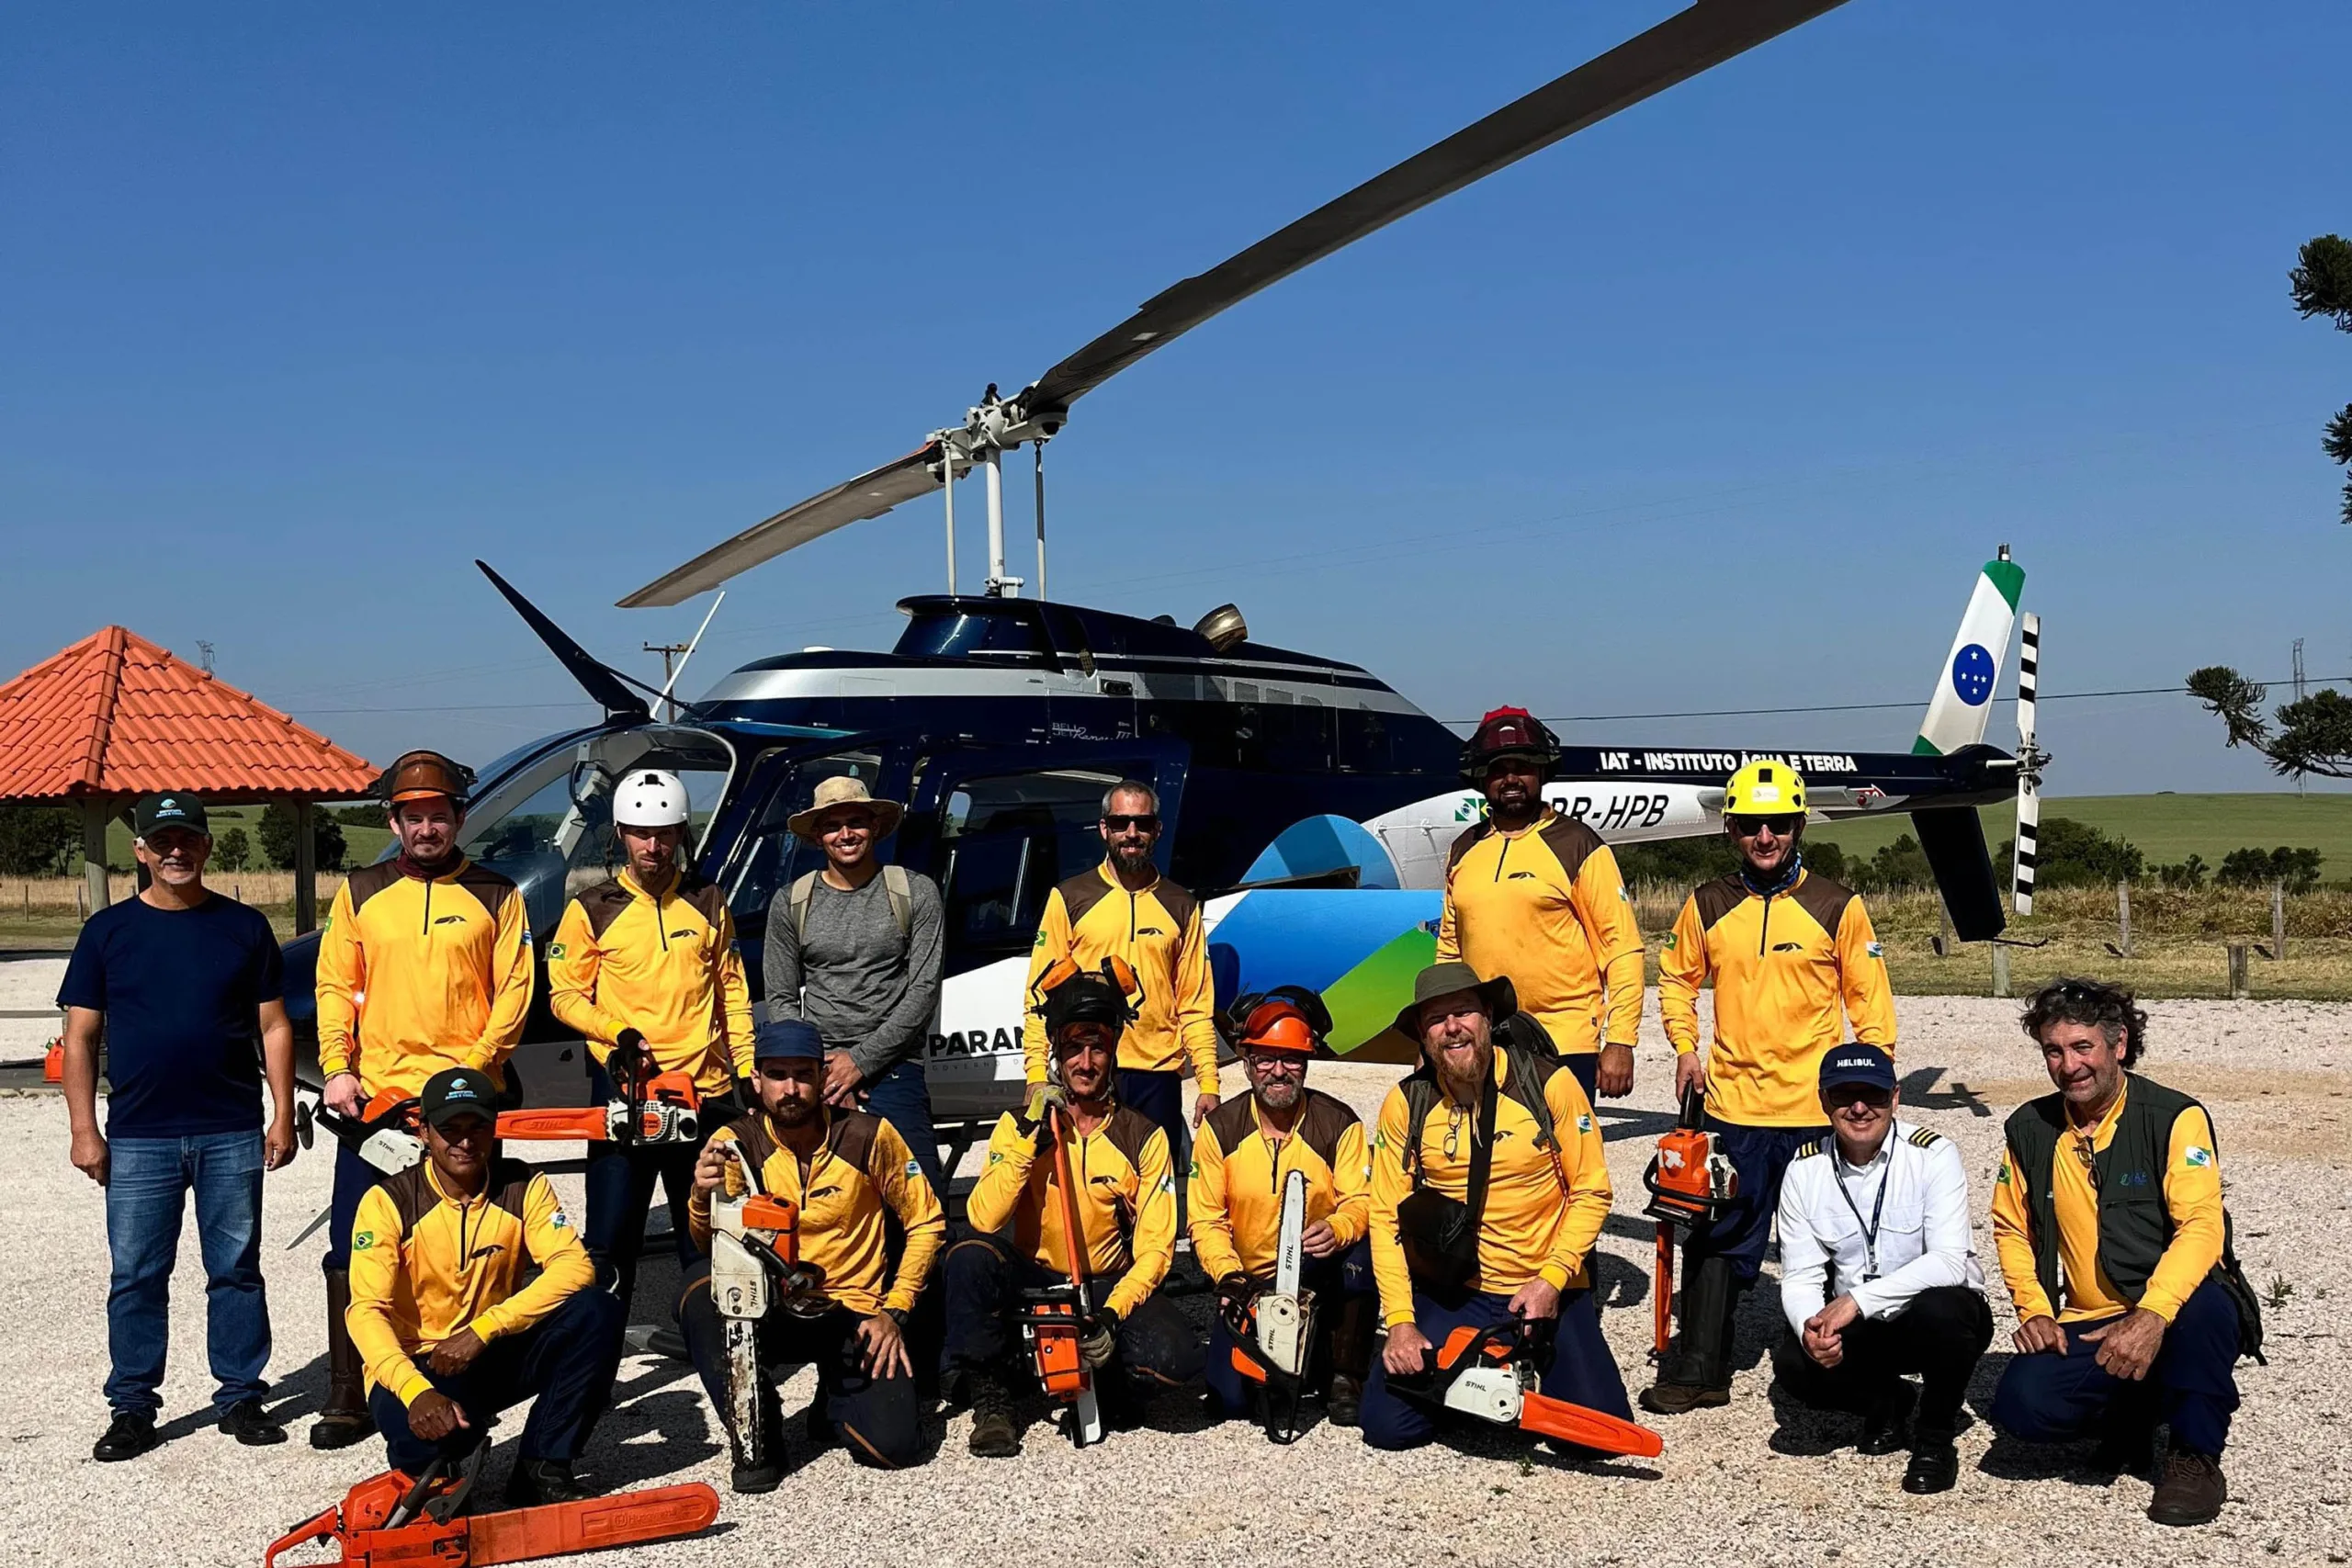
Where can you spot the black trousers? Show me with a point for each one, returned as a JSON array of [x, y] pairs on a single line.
[[879, 1420], [983, 1286], [1941, 1335]]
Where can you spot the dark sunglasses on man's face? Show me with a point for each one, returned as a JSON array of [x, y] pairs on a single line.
[[1782, 826], [1147, 822]]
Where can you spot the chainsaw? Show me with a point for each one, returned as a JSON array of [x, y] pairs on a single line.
[[392, 1521], [1273, 1334], [385, 1134], [1491, 1373], [1690, 1183], [1053, 1318], [754, 1262]]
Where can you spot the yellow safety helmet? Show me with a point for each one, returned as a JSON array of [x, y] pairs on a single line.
[[1764, 789]]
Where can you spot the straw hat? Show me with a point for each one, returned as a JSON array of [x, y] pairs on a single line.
[[844, 790]]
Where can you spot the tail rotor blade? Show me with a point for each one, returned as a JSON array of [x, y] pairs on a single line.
[[2029, 759]]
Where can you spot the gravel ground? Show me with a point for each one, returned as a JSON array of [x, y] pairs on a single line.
[[1735, 1485]]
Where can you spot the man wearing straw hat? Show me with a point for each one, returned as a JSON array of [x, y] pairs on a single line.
[[854, 948]]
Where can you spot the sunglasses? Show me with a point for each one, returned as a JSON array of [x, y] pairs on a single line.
[[1782, 825], [1146, 822]]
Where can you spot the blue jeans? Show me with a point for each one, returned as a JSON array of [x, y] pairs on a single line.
[[620, 1183], [1744, 1230], [1580, 1370], [146, 1185], [900, 1095], [2049, 1398]]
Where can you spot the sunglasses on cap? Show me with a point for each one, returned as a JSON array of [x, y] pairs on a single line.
[[1782, 824], [1142, 822]]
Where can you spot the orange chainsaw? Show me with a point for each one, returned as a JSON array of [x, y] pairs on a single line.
[[1053, 1318], [393, 1521], [1491, 1373], [1690, 1183], [385, 1134]]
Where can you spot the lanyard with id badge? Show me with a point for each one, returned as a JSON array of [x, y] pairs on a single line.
[[1878, 1207]]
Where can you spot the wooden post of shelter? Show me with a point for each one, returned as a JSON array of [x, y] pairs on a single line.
[[94, 816], [306, 869]]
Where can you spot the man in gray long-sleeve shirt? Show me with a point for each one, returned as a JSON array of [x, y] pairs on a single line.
[[855, 950]]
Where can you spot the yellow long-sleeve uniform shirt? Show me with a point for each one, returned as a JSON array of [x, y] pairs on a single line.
[[2192, 1196], [665, 966], [1783, 968], [416, 975], [1544, 1207], [1158, 933], [1547, 907], [1239, 1169], [425, 1264], [1126, 1202], [862, 1170]]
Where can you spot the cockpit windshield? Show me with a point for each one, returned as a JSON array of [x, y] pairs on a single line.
[[547, 824], [955, 634]]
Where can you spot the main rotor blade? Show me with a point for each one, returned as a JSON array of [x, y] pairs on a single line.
[[868, 495], [1685, 44]]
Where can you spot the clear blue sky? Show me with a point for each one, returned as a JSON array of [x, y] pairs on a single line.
[[1717, 405]]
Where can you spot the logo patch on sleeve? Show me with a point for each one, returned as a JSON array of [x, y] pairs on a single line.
[[1876, 950], [364, 1241], [555, 949], [560, 1220], [1669, 943], [1584, 1125], [2196, 1156], [914, 1167]]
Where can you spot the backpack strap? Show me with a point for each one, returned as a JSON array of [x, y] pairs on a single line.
[[901, 896], [804, 887]]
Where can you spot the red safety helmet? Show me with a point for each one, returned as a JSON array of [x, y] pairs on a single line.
[[1508, 732]]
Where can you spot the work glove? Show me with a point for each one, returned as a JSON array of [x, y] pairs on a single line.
[[1102, 1339], [628, 1059], [1239, 1290], [1041, 1096]]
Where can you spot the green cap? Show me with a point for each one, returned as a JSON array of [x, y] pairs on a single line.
[[171, 809]]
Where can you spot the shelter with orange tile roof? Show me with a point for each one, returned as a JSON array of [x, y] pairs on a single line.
[[114, 717]]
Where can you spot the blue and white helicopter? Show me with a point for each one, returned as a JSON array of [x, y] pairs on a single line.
[[1307, 801]]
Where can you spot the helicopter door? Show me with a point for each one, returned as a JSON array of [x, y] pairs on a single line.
[[1004, 829]]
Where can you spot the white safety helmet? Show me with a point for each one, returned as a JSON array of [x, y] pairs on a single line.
[[648, 797]]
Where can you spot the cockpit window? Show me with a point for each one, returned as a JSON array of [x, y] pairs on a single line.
[[954, 634]]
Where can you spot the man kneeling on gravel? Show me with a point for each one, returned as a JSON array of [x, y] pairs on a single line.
[[1877, 1278], [2132, 1308], [1488, 1188]]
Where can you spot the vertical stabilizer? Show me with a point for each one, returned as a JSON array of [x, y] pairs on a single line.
[[1963, 698]]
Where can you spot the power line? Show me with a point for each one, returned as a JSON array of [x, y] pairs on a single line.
[[1864, 707]]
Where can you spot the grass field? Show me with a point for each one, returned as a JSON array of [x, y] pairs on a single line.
[[2166, 828]]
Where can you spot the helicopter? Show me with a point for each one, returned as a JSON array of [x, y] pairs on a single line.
[[1306, 801]]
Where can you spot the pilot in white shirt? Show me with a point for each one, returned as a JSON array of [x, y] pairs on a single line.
[[1877, 1276]]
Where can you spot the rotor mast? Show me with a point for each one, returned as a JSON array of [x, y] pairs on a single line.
[[990, 429]]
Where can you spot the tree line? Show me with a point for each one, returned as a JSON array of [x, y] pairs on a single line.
[[46, 840]]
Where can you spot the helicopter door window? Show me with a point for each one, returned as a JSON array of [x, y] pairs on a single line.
[[775, 856], [1005, 840]]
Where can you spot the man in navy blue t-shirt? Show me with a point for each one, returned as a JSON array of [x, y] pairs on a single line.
[[186, 986]]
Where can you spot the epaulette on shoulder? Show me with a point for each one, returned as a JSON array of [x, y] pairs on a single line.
[[1811, 1149], [1925, 1139]]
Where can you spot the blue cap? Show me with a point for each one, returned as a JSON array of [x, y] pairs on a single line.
[[788, 1040], [1856, 1064]]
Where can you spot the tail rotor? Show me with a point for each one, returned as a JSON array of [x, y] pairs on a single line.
[[2031, 759]]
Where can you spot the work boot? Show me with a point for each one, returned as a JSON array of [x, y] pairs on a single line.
[[1934, 1467], [1344, 1403], [540, 1480], [1700, 1376], [2190, 1491], [130, 1435], [345, 1420], [1883, 1424], [250, 1424], [993, 1433]]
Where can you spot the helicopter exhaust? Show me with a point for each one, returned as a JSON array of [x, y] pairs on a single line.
[[1224, 628]]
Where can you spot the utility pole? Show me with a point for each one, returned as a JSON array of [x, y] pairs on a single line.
[[2301, 690], [669, 653]]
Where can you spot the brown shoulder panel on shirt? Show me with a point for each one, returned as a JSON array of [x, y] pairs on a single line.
[[708, 900], [489, 888], [1081, 893], [368, 881], [1462, 844], [1231, 1124], [1717, 898], [851, 1138], [1178, 902], [1128, 1129], [1323, 1123], [752, 1132], [1822, 899], [604, 904], [1571, 840], [411, 1194], [510, 1187]]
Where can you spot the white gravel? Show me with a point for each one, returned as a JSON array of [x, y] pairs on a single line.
[[1727, 1490]]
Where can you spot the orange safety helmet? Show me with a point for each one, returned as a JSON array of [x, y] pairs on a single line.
[[420, 774], [1288, 1018]]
